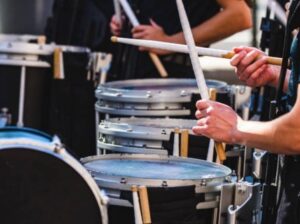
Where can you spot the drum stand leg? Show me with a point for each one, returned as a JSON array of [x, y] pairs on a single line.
[[98, 152], [176, 142], [20, 122], [136, 205]]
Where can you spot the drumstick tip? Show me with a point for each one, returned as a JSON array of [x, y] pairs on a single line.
[[114, 39]]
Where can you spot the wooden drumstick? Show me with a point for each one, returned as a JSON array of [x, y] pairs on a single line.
[[58, 68], [184, 143], [136, 205], [220, 150], [144, 201], [181, 48], [134, 21]]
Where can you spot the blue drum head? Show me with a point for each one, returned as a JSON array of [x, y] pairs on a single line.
[[158, 169]]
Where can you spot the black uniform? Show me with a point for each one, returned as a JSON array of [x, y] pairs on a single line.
[[129, 63]]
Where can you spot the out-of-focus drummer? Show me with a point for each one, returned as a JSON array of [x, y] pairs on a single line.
[[211, 21]]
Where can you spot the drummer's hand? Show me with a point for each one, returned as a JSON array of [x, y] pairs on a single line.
[[151, 32], [115, 26], [252, 67], [217, 121]]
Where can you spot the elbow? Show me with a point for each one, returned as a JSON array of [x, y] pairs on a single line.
[[244, 20]]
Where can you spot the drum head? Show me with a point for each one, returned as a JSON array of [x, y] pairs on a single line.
[[137, 168], [38, 186]]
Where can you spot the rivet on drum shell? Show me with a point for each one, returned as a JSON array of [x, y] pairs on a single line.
[[119, 94], [164, 184], [129, 130], [163, 132]]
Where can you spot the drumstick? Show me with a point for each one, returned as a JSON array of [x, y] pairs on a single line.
[[194, 58], [184, 143], [118, 11], [145, 204], [58, 69], [181, 48], [221, 155], [176, 142], [136, 205], [134, 21]]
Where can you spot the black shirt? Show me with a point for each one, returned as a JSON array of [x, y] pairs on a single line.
[[129, 63]]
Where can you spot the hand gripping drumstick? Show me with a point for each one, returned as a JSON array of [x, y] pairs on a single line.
[[155, 59], [181, 48], [195, 62]]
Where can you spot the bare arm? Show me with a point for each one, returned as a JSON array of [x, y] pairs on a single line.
[[234, 16], [281, 135], [220, 122]]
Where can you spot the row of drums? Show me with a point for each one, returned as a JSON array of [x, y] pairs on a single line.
[[148, 167]]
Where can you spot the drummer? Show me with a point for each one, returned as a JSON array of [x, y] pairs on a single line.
[[280, 136], [211, 21]]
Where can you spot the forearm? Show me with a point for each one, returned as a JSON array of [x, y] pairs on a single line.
[[227, 22], [278, 136]]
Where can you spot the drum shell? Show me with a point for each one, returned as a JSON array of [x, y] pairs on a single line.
[[35, 170], [37, 94]]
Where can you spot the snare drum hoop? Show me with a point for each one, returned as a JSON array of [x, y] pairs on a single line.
[[37, 49], [138, 128], [125, 183], [54, 148], [113, 91]]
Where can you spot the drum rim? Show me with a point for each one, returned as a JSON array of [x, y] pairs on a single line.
[[59, 152], [116, 181], [113, 90], [140, 131], [24, 48]]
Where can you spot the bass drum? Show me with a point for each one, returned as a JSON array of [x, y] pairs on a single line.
[[176, 186], [42, 183]]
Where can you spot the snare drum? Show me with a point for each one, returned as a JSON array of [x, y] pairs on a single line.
[[42, 183], [151, 136], [173, 185], [154, 97]]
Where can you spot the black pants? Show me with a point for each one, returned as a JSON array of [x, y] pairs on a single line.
[[289, 208]]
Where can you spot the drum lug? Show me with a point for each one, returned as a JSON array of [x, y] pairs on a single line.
[[183, 93], [164, 184], [59, 149], [123, 181], [149, 94], [203, 183]]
